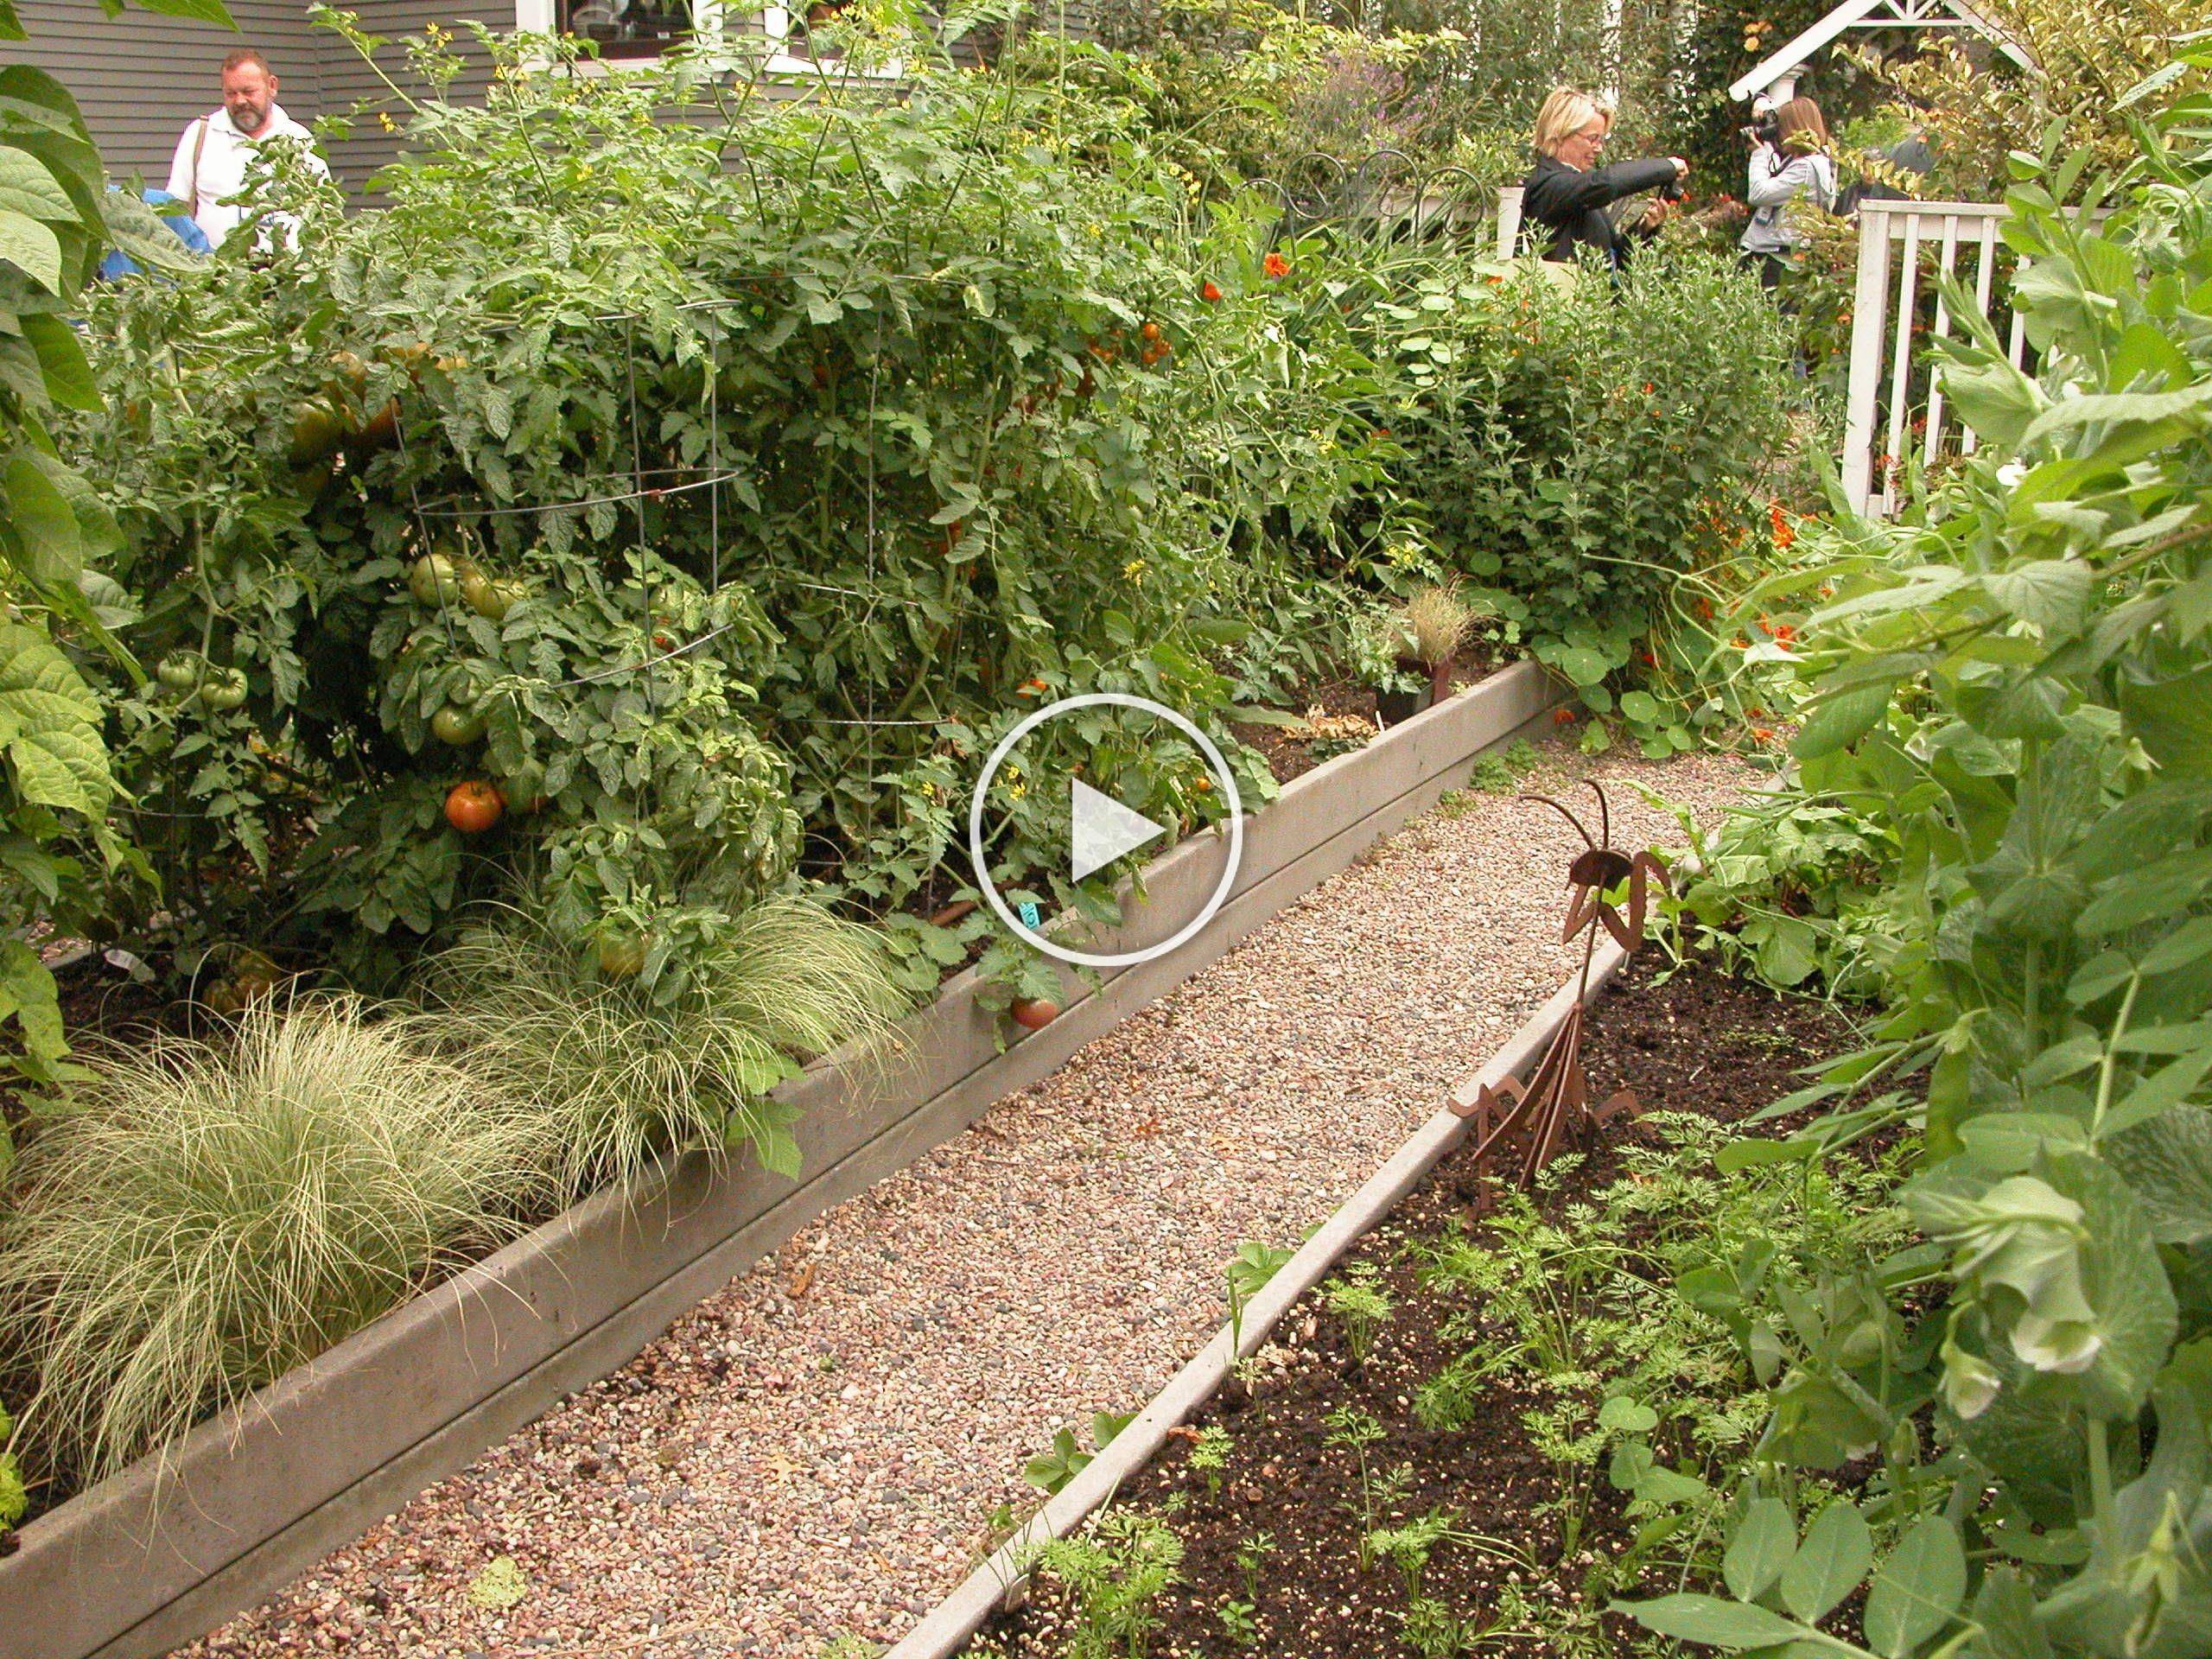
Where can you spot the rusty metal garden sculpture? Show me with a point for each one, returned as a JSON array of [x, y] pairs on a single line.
[[1553, 1105]]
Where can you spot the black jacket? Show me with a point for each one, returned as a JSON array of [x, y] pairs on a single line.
[[1571, 205]]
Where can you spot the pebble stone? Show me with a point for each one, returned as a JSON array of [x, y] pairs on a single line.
[[817, 1450]]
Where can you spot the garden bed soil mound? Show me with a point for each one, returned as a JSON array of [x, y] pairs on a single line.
[[1292, 753], [1698, 1042]]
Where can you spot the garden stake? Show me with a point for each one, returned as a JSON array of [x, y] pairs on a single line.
[[1555, 1103]]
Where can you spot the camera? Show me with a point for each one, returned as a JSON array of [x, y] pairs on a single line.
[[1765, 129]]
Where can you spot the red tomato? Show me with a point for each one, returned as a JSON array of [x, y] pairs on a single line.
[[473, 806]]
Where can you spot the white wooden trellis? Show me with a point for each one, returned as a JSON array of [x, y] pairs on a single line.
[[1876, 431]]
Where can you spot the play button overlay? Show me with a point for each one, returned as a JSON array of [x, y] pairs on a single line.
[[1103, 830]]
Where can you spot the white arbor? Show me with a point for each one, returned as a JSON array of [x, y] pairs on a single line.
[[1775, 76]]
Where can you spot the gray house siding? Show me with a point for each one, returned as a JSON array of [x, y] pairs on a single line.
[[140, 78]]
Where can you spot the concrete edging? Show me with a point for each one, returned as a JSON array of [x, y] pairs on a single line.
[[164, 1551], [948, 1626]]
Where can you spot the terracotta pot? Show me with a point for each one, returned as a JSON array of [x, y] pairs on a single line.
[[1439, 680]]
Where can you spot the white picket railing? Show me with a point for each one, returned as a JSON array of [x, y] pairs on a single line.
[[1888, 294]]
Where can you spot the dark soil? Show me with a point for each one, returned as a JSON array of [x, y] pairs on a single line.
[[1699, 1042], [1291, 753]]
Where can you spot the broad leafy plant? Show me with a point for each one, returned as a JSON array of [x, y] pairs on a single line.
[[2016, 685], [57, 218]]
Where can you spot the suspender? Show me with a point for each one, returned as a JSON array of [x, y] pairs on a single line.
[[198, 144]]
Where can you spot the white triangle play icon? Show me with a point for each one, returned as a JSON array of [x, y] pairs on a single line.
[[1104, 828]]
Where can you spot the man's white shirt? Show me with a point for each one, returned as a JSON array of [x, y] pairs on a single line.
[[220, 169]]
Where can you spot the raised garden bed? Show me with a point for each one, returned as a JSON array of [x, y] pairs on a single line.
[[1273, 1462], [160, 1554]]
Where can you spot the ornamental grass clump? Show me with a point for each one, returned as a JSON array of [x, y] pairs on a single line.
[[197, 1217], [614, 1073], [1436, 622]]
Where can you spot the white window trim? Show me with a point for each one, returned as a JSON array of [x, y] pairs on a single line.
[[536, 17]]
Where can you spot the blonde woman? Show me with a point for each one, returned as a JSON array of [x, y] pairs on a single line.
[[1794, 163], [1568, 192]]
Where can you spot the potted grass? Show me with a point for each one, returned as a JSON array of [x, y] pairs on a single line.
[[1408, 652]]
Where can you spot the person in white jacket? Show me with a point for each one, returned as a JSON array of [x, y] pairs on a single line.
[[214, 156], [1796, 163]]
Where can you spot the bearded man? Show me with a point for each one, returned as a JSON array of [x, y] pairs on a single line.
[[213, 156]]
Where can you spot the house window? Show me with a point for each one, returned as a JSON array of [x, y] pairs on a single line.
[[627, 28], [635, 30]]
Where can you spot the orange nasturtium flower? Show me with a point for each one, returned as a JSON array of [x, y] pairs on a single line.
[[1275, 265], [1562, 716], [1209, 294]]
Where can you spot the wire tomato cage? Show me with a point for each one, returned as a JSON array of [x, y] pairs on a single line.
[[647, 486]]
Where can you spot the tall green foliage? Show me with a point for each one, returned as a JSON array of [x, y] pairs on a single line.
[[57, 218], [894, 372], [1580, 450], [2017, 685]]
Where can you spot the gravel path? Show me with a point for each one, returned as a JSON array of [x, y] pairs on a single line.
[[817, 1450]]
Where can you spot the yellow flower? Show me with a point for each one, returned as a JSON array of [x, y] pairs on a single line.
[[384, 120], [1133, 571], [1016, 790]]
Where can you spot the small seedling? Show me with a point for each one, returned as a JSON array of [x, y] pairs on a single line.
[[1241, 1620], [1210, 1456], [1490, 775], [1057, 1464], [1353, 1429], [498, 1586], [1358, 1304], [1249, 1555], [1356, 1431], [1063, 1460], [1001, 1524], [1433, 1630], [1408, 1548], [1115, 1576], [1248, 1273]]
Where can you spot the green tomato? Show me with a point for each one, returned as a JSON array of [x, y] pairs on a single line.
[[490, 597], [621, 956], [180, 670], [457, 726], [435, 580], [486, 597], [224, 689]]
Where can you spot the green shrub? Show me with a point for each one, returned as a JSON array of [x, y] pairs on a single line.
[[985, 441], [1578, 452], [612, 1075], [200, 1217]]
